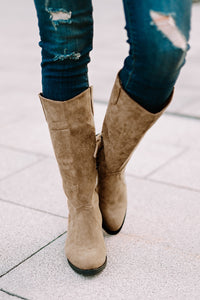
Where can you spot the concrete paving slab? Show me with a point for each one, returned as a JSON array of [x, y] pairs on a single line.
[[183, 100], [30, 134], [183, 171], [38, 187], [5, 295], [178, 131], [14, 107], [136, 269], [193, 108], [21, 81], [23, 232], [13, 161], [165, 214], [149, 156]]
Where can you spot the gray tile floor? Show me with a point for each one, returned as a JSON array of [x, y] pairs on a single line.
[[157, 254]]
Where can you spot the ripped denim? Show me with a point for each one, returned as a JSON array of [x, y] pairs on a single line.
[[158, 34], [66, 32]]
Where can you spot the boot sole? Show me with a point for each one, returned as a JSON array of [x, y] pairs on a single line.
[[111, 232], [89, 272]]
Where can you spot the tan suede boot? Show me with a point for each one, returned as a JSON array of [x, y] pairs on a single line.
[[124, 125], [72, 131]]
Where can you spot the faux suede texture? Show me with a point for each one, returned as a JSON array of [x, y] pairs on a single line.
[[124, 125], [71, 126]]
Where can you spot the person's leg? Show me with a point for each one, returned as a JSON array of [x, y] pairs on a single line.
[[66, 31], [158, 32], [66, 39]]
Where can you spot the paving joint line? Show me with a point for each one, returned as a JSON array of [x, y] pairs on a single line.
[[32, 208], [34, 253], [181, 187], [24, 168], [181, 115], [25, 151], [12, 294], [170, 113], [166, 162], [175, 185]]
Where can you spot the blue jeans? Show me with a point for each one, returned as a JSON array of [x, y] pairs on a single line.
[[158, 34]]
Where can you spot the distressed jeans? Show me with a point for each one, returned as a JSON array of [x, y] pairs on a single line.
[[158, 34]]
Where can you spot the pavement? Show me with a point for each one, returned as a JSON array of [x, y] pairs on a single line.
[[157, 254]]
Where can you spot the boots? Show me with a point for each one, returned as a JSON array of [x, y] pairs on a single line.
[[124, 125], [72, 131]]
